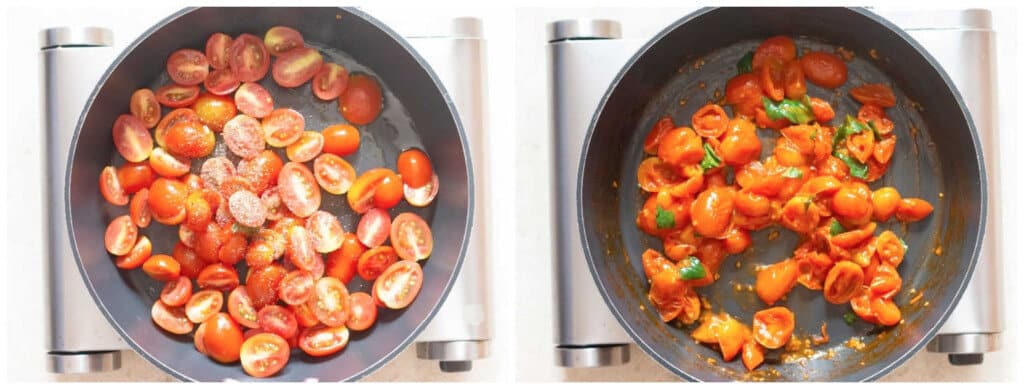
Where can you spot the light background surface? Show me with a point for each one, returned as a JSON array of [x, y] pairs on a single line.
[[535, 360]]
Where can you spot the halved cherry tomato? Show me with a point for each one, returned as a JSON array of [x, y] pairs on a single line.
[[913, 209], [364, 188], [711, 212], [249, 58], [653, 175], [134, 176], [144, 106], [167, 197], [189, 261], [162, 267], [214, 111], [874, 94], [121, 235], [779, 47], [889, 248], [296, 287], [198, 212], [190, 140], [300, 250], [681, 146], [306, 148], [843, 282], [342, 263], [110, 187], [325, 230], [822, 110], [177, 96], [411, 237], [363, 312], [884, 203], [247, 208], [221, 82], [282, 39], [321, 341], [218, 276], [233, 250], [262, 171], [886, 311], [132, 139], [861, 145], [776, 280], [169, 120], [188, 67], [297, 66], [823, 69], [330, 302], [330, 81], [793, 79], [198, 338], [740, 144], [278, 320], [753, 355], [244, 137], [743, 92], [660, 128], [341, 139], [137, 256], [773, 327], [253, 100], [875, 115], [772, 78], [853, 202], [264, 354], [304, 315], [203, 305], [399, 285], [373, 227], [710, 121], [422, 196], [217, 47], [375, 261], [362, 101], [884, 149], [177, 292], [241, 308], [415, 168], [170, 319], [298, 189], [282, 127], [223, 338], [263, 284]]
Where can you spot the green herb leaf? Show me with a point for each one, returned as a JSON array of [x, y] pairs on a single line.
[[902, 243], [746, 63], [692, 269], [850, 126], [247, 231], [664, 219], [793, 172], [835, 228], [874, 130], [794, 111], [849, 318], [711, 160], [857, 169]]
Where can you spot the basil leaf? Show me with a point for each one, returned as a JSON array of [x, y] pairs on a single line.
[[711, 160], [794, 111], [793, 172], [746, 63], [850, 126], [857, 169], [849, 318], [835, 228], [664, 219], [693, 269], [874, 130], [902, 243]]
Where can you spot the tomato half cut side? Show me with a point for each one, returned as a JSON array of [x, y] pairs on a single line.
[[330, 81], [169, 120], [264, 354], [121, 235], [110, 187], [363, 312], [217, 47], [422, 196], [322, 341], [221, 82], [325, 230], [203, 305], [170, 319], [188, 67], [309, 146], [282, 39], [135, 258], [177, 292], [283, 126], [330, 302], [298, 189], [132, 139], [253, 100], [411, 237], [399, 285], [296, 287], [278, 320], [334, 174], [375, 261], [296, 67], [144, 106], [374, 227], [218, 276], [241, 309], [249, 58], [214, 111], [177, 96]]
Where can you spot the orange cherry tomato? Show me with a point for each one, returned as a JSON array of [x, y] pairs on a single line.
[[753, 355], [666, 293], [655, 175], [262, 284], [737, 240], [137, 256], [168, 165], [886, 311], [174, 117], [660, 128], [776, 280], [177, 292], [389, 191], [875, 115], [732, 335], [361, 194], [773, 327], [170, 319], [885, 201], [843, 282], [861, 145], [913, 209], [190, 140], [241, 309], [214, 111], [283, 126], [711, 211], [309, 146], [321, 341], [889, 248], [741, 144], [134, 176], [800, 214], [874, 94], [162, 267], [853, 202], [823, 69], [415, 168], [772, 79], [710, 121], [363, 312], [779, 47], [325, 231], [681, 146], [751, 204], [743, 92], [167, 197], [822, 110], [218, 276], [276, 319], [262, 171], [341, 139], [375, 261], [177, 96], [121, 235], [342, 263], [222, 338], [793, 79]]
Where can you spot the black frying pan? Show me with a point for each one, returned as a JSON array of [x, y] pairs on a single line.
[[941, 156], [417, 113]]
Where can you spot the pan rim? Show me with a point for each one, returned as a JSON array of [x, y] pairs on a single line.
[[470, 187], [975, 251]]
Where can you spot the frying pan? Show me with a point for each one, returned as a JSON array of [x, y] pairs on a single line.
[[417, 113], [937, 158]]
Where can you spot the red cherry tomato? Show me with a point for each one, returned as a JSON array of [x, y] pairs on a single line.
[[261, 171], [241, 309], [278, 320], [306, 148], [144, 106], [415, 168], [361, 102], [135, 258], [375, 261], [203, 305], [297, 66], [177, 96], [162, 267], [780, 47], [110, 187], [135, 176], [121, 235], [300, 250], [823, 69], [399, 285], [167, 197], [341, 139], [374, 227], [330, 302], [221, 82], [132, 139], [342, 263], [363, 312], [325, 231], [334, 174], [190, 140], [222, 338], [282, 127], [296, 287], [218, 276], [217, 47], [188, 67], [264, 354], [411, 237], [189, 261], [170, 319], [263, 283], [298, 189], [177, 292], [304, 315], [330, 81], [214, 111], [172, 118], [248, 58], [282, 39], [321, 341], [253, 100], [247, 208]]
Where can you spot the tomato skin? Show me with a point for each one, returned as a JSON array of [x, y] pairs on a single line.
[[361, 194], [190, 140], [110, 187], [278, 320], [773, 79], [913, 209], [190, 262], [214, 111], [399, 285], [172, 118], [131, 139], [264, 354], [282, 39], [167, 197], [415, 168], [222, 338], [188, 67], [824, 69], [249, 58], [889, 248], [330, 81], [753, 355], [780, 47], [177, 292], [711, 212], [135, 176], [710, 121], [776, 280], [296, 67], [137, 256], [217, 46], [342, 263], [744, 93], [681, 146], [659, 129], [144, 106], [341, 139], [363, 312], [843, 282], [218, 276], [741, 144], [853, 203], [375, 261], [773, 327], [874, 94], [322, 341], [296, 287], [162, 267], [885, 201], [170, 319], [362, 100], [262, 171], [411, 237], [389, 192], [262, 284], [177, 96], [793, 79]]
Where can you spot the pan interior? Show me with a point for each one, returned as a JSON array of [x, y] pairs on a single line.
[[345, 37], [680, 80]]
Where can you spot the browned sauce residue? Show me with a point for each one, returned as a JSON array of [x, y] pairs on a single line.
[[844, 53], [938, 250], [873, 54], [819, 340], [855, 343], [682, 102]]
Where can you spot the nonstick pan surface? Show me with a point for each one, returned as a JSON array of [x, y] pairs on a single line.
[[937, 158], [417, 113]]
